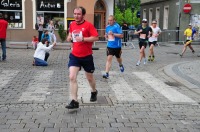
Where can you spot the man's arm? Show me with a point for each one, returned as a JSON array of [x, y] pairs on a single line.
[[118, 35], [88, 39], [69, 37]]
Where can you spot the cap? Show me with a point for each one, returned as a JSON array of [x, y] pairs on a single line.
[[144, 20], [189, 24]]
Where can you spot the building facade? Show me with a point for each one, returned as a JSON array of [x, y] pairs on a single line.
[[22, 15], [170, 14]]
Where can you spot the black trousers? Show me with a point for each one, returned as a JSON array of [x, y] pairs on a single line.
[[46, 56]]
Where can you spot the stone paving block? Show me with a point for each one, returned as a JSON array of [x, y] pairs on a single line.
[[125, 129], [103, 125], [17, 126], [36, 130], [4, 126], [13, 121], [46, 125], [139, 130], [153, 129], [67, 130], [131, 125], [117, 124], [52, 130], [82, 130], [111, 130], [96, 129]]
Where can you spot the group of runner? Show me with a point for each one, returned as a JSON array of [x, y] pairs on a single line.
[[82, 34]]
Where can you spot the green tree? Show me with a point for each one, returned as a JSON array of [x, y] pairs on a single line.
[[127, 15]]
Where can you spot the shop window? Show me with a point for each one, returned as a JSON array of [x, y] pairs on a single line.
[[12, 12], [50, 10]]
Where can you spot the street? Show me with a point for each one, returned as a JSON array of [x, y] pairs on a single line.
[[161, 96]]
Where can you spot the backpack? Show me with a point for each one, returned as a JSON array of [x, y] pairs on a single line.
[[36, 26]]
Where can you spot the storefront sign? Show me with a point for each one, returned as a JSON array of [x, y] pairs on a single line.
[[11, 4], [50, 5]]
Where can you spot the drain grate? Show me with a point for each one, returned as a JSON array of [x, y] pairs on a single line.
[[101, 101], [176, 84]]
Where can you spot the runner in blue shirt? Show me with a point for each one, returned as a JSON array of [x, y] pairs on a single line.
[[113, 35]]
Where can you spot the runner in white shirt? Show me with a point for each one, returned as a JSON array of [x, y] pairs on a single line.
[[153, 39]]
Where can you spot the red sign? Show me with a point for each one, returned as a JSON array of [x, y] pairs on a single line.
[[187, 8]]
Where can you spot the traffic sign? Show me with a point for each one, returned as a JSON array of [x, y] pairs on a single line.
[[187, 8]]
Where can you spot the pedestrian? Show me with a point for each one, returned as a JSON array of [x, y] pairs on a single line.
[[114, 35], [3, 30], [42, 53], [144, 33], [51, 29], [40, 22], [35, 42], [46, 35], [82, 34], [153, 39], [125, 32], [188, 35]]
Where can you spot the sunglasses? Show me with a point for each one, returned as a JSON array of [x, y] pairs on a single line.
[[154, 23], [144, 22]]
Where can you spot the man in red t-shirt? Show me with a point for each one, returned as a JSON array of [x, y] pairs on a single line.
[[3, 29], [82, 34]]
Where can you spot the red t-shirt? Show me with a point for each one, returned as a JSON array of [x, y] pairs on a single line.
[[86, 29], [3, 28]]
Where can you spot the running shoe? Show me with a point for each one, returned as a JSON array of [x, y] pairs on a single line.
[[93, 96], [121, 68], [193, 51], [181, 55], [106, 76], [73, 105], [138, 63], [145, 61], [153, 57], [149, 59]]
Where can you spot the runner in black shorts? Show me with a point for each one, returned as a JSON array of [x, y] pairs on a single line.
[[153, 39], [114, 52], [144, 32], [114, 35]]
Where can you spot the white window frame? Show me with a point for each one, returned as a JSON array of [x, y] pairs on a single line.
[[150, 15], [158, 15], [166, 17], [144, 13]]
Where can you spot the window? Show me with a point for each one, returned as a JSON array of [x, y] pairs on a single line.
[[166, 15], [158, 15], [144, 14], [12, 12], [150, 15], [50, 10]]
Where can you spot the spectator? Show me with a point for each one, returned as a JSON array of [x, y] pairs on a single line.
[[125, 32], [41, 53], [3, 30], [35, 42]]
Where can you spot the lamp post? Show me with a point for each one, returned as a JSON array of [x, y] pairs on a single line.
[[132, 8]]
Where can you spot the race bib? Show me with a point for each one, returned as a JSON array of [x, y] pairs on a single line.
[[142, 36], [76, 33], [111, 37], [189, 38]]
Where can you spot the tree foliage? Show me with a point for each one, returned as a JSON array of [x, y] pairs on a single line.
[[125, 12]]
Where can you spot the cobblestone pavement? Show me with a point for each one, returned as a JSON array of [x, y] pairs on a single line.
[[160, 96]]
